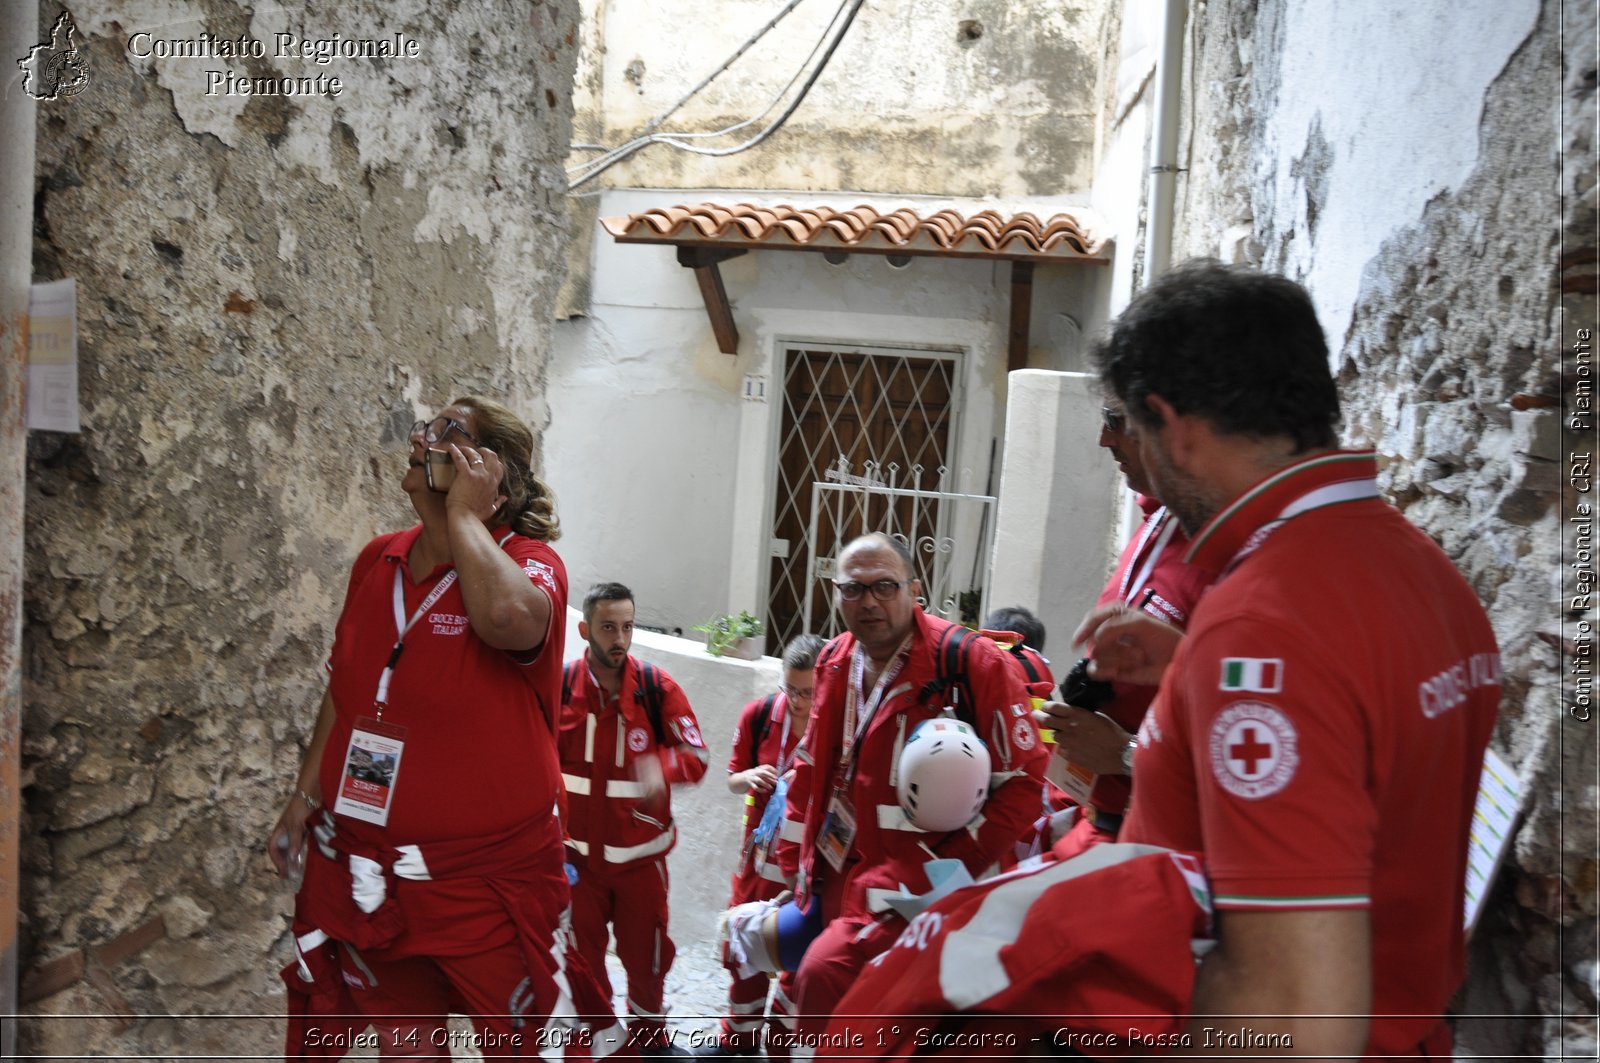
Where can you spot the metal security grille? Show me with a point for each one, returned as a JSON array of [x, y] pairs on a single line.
[[889, 411]]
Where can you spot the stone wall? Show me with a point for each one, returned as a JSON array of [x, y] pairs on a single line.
[[271, 289], [1449, 367]]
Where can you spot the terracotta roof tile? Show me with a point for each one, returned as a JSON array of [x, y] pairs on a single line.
[[984, 234]]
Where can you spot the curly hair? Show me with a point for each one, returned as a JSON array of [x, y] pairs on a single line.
[[530, 507], [1241, 348]]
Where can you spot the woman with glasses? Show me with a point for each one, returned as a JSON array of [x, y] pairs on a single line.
[[764, 745], [433, 874]]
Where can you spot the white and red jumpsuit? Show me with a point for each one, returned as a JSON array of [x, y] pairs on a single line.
[[764, 735], [617, 838]]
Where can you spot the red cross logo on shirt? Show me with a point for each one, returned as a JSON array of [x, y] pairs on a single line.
[[1251, 751], [1254, 748]]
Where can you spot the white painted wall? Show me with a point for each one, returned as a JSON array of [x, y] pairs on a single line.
[[1402, 127], [1050, 551], [664, 472]]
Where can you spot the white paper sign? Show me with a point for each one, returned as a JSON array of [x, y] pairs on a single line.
[[1494, 816], [53, 356]]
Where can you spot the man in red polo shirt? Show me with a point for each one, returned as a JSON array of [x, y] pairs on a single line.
[[1320, 730], [627, 735]]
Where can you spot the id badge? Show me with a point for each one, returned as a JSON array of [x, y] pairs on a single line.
[[1075, 781], [838, 831], [371, 767]]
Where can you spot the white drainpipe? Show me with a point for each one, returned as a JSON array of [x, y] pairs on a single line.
[[1164, 153]]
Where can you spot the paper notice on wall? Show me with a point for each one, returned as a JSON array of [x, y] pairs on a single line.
[[1493, 819], [53, 356]]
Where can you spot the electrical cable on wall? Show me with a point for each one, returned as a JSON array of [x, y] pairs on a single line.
[[842, 18]]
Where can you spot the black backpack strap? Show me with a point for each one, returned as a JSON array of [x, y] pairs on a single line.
[[648, 694], [569, 672], [763, 724], [950, 657], [1027, 663]]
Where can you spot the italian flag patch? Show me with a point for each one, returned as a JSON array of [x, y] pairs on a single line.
[[1255, 675]]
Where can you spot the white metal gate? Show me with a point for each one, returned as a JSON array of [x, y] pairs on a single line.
[[948, 532]]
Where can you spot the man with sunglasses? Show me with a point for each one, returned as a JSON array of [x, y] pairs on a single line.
[[874, 685], [1095, 722]]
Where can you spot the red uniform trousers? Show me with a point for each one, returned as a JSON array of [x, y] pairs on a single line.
[[747, 997], [632, 900], [835, 958], [833, 963]]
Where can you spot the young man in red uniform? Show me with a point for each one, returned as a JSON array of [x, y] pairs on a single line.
[[875, 684], [1095, 722], [765, 741], [1320, 730], [627, 735]]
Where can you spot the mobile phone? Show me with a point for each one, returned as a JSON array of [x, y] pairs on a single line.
[[441, 470]]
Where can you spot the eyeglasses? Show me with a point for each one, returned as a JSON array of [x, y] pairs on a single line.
[[882, 590], [435, 430], [797, 693], [1114, 420]]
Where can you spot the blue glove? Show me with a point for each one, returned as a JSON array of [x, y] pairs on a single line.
[[772, 815], [572, 874]]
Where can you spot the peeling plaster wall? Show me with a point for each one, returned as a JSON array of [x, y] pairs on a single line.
[[988, 98], [270, 291], [1428, 234]]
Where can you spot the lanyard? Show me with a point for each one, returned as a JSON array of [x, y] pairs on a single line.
[[1159, 519], [854, 728], [402, 625], [785, 759]]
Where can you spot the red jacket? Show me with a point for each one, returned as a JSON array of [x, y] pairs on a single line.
[[609, 821], [888, 850], [761, 737], [1152, 574]]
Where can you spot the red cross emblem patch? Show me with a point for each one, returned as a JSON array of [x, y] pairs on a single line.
[[1254, 749]]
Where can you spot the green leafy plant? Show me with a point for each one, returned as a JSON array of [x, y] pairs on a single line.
[[725, 629]]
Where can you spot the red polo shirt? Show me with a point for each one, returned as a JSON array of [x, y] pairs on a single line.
[[1320, 732], [480, 753]]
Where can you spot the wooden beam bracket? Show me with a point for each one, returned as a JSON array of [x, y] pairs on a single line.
[[704, 260], [1021, 311]]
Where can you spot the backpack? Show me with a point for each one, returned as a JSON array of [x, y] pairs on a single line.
[[647, 693]]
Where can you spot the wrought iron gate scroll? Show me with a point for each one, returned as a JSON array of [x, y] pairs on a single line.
[[948, 532]]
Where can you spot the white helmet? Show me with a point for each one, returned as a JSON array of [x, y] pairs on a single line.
[[944, 775]]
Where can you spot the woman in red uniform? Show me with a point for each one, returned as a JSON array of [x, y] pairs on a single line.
[[427, 798], [764, 745]]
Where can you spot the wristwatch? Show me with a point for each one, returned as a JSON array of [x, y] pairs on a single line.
[[1127, 754]]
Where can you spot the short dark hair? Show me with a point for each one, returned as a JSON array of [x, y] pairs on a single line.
[[888, 542], [801, 653], [1016, 618], [604, 592], [1240, 348]]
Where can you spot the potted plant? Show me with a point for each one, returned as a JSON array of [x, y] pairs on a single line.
[[734, 636]]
